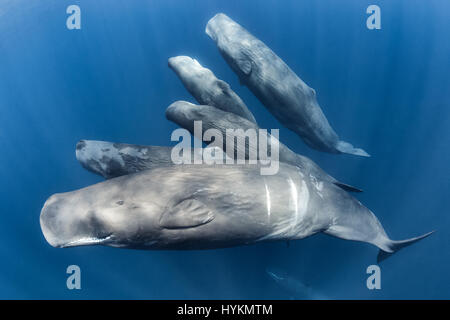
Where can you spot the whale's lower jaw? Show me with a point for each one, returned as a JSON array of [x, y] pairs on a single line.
[[88, 241], [162, 245]]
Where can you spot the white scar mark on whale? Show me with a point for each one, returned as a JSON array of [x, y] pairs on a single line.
[[267, 198], [143, 154], [317, 184], [285, 228], [294, 198], [304, 199], [300, 197], [100, 150]]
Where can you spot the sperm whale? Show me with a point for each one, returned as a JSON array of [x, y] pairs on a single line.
[[203, 85], [111, 159], [280, 90], [185, 113], [208, 207]]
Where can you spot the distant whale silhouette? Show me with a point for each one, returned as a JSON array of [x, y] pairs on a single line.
[[282, 92], [294, 287]]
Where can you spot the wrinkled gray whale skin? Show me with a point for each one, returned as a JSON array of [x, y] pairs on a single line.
[[110, 159], [203, 85], [208, 207], [282, 92], [185, 113]]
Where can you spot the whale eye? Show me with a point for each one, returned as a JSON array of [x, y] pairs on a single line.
[[120, 202]]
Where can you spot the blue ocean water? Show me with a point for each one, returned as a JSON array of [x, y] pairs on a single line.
[[387, 91]]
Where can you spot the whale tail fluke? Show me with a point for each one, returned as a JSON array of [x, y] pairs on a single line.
[[393, 246], [345, 147]]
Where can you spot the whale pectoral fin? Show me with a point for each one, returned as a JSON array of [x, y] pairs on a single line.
[[347, 187], [244, 65], [186, 214], [225, 87]]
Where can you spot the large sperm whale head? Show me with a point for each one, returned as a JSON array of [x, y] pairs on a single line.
[[112, 160], [206, 88], [184, 114], [233, 42], [67, 222], [187, 68], [99, 214], [101, 157]]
